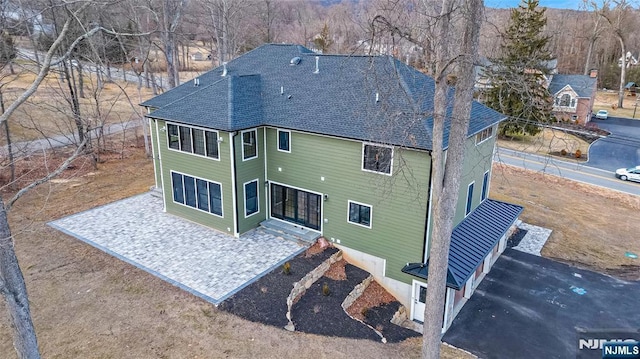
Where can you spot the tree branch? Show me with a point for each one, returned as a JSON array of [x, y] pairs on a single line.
[[49, 176]]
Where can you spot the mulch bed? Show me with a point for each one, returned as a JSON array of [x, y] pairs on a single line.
[[314, 312], [379, 317], [516, 237], [265, 300]]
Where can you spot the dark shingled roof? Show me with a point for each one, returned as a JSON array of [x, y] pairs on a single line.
[[264, 87], [583, 85], [472, 240]]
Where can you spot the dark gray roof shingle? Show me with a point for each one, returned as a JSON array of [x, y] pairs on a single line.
[[583, 85], [262, 87], [472, 240]]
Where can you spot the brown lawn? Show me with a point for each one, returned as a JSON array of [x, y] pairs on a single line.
[[608, 100], [549, 141], [593, 227]]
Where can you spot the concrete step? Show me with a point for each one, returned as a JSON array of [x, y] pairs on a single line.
[[283, 235], [155, 191], [292, 230]]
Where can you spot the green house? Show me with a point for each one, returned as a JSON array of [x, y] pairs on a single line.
[[337, 146]]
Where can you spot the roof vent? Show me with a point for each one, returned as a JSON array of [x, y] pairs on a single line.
[[224, 69], [295, 61], [317, 71]]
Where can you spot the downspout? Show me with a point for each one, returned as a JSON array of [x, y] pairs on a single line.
[[234, 191], [427, 220]]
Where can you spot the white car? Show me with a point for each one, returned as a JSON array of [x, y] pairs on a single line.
[[602, 114], [630, 174]]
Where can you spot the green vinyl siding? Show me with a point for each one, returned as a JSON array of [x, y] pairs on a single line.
[[477, 161], [246, 171], [333, 167], [218, 171]]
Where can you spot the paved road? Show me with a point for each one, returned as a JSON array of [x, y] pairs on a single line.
[[116, 73], [570, 170], [620, 149], [532, 307], [36, 146]]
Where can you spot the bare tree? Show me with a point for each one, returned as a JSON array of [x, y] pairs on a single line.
[[447, 172], [619, 24], [12, 285]]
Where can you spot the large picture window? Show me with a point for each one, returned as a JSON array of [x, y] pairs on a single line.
[[377, 158], [197, 193], [359, 214], [193, 140], [251, 198], [249, 145]]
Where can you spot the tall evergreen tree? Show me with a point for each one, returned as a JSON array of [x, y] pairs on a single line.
[[518, 75]]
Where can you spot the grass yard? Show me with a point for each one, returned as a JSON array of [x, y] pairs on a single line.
[[48, 113], [606, 100], [548, 141], [593, 227]]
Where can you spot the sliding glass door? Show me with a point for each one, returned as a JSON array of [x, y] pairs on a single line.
[[295, 206]]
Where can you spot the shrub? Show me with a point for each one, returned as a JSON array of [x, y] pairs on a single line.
[[286, 268], [578, 153], [325, 289], [563, 152], [364, 311]]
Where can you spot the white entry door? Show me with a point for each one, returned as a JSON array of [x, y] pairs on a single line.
[[419, 300]]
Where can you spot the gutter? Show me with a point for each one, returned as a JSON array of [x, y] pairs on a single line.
[[427, 216]]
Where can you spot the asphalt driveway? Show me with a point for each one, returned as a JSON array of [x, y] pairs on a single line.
[[620, 149], [531, 307]]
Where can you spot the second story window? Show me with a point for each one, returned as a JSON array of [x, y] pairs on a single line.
[[284, 142], [484, 135], [193, 140], [377, 158], [249, 145]]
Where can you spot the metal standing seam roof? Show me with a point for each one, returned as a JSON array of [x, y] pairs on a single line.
[[472, 240], [369, 98], [583, 85]]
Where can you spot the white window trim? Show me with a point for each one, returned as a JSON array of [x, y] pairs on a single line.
[[179, 150], [196, 207], [278, 140], [244, 190], [242, 141], [473, 183], [488, 173], [377, 145], [361, 204]]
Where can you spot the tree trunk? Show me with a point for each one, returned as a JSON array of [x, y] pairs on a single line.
[[623, 72], [14, 292], [75, 104], [12, 164], [446, 176]]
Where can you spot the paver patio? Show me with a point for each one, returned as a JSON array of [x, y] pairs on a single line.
[[208, 263]]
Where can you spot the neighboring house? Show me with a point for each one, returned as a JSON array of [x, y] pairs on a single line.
[[483, 81], [573, 96], [331, 145], [630, 60]]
